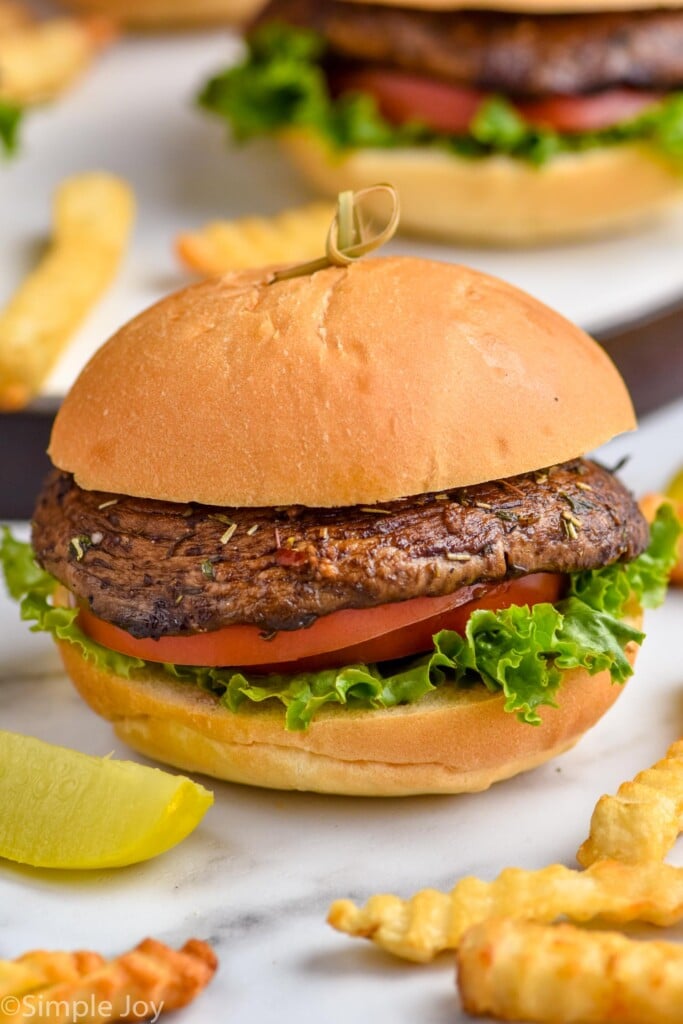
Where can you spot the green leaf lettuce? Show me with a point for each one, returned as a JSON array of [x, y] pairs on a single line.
[[10, 118]]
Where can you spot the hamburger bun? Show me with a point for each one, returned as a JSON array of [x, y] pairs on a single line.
[[451, 741], [499, 200], [314, 391], [153, 14]]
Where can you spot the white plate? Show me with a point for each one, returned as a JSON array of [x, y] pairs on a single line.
[[135, 115]]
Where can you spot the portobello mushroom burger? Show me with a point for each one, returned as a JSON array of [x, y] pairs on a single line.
[[337, 532]]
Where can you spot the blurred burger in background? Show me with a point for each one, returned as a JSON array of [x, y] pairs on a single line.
[[537, 121], [151, 14]]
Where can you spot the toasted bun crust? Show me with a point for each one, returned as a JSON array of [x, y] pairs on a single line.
[[391, 378], [452, 741], [530, 6], [169, 13], [499, 200]]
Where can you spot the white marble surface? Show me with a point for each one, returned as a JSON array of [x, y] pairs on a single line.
[[135, 115], [258, 875]]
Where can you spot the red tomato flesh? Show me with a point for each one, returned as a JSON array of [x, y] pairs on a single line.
[[403, 97], [588, 113], [342, 638]]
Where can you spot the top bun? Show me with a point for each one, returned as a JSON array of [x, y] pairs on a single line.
[[530, 6], [390, 378]]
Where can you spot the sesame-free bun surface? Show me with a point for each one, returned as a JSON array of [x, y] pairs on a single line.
[[394, 377], [451, 741], [499, 200], [153, 14]]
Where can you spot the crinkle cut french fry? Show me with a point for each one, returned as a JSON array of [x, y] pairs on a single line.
[[39, 60], [93, 215], [431, 922], [39, 968], [251, 242], [136, 986], [643, 820], [520, 971], [17, 978]]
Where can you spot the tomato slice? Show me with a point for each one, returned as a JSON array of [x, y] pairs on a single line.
[[403, 97], [373, 634], [588, 113]]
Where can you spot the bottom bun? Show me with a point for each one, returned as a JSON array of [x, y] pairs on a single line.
[[169, 13], [451, 741], [499, 200]]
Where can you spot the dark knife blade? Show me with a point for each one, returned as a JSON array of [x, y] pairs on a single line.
[[649, 354], [24, 438]]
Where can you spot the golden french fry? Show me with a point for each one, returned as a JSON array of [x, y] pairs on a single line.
[[93, 215], [648, 506], [136, 986], [13, 16], [431, 922], [250, 242], [16, 978], [643, 820], [520, 971], [40, 60], [674, 488], [39, 968]]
